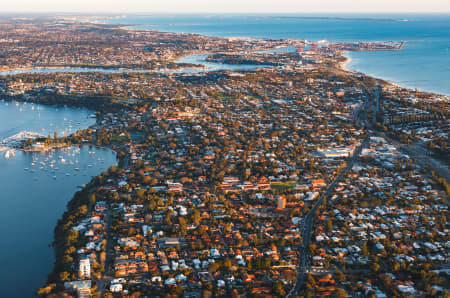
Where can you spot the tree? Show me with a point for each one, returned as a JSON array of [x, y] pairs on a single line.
[[92, 199], [168, 220], [64, 276], [196, 217], [82, 210], [310, 281], [72, 237], [213, 267], [329, 225], [67, 259], [375, 267], [340, 276], [266, 263], [364, 249], [140, 193], [227, 263], [46, 290], [278, 289], [115, 196], [183, 228], [340, 293], [249, 265]]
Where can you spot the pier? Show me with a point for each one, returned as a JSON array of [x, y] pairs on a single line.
[[16, 140]]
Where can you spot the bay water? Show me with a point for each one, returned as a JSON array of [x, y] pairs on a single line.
[[35, 188], [424, 64]]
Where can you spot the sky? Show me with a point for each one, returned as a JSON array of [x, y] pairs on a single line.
[[223, 6]]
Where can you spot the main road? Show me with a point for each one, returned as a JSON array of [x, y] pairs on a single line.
[[416, 151], [361, 117], [306, 230]]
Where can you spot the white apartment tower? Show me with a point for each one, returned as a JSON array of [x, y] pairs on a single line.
[[85, 268]]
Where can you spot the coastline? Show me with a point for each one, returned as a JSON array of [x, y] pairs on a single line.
[[345, 67], [82, 197], [341, 65], [70, 196]]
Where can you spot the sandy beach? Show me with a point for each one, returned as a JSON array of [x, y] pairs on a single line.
[[344, 67]]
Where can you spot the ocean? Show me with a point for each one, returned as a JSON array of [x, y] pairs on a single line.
[[424, 64]]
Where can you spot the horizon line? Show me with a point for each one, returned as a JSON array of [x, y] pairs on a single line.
[[219, 13]]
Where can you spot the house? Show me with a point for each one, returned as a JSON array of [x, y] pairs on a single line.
[[281, 202], [115, 288], [82, 287]]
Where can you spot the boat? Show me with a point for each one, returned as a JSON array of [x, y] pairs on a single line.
[[9, 154]]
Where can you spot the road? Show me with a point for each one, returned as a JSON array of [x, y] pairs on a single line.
[[361, 116], [307, 224], [421, 156], [415, 151], [106, 277]]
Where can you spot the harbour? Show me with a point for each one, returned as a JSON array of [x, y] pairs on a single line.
[[36, 187]]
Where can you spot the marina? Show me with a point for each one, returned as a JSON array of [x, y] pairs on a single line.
[[36, 187], [22, 121], [17, 139], [198, 149]]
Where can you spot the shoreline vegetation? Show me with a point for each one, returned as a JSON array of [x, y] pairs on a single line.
[[83, 201], [65, 68]]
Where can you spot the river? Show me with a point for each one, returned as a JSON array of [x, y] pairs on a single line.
[[35, 189], [200, 59], [423, 65]]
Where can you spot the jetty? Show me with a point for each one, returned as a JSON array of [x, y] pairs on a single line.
[[16, 140]]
